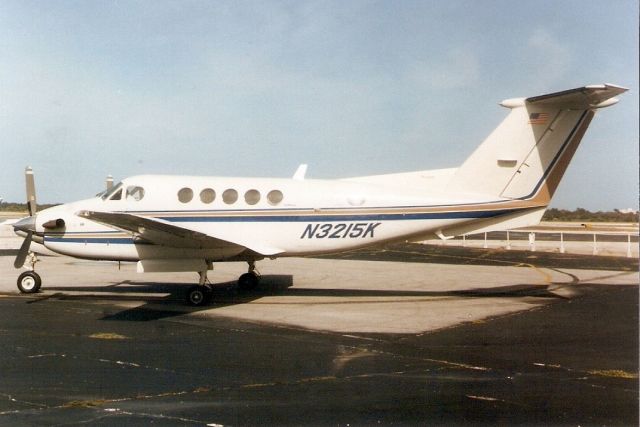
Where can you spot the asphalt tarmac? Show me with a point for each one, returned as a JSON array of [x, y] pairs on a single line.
[[459, 255], [77, 358]]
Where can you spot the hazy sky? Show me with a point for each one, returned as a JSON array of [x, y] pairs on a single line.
[[253, 88]]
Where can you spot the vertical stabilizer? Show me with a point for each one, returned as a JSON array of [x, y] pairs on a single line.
[[527, 154]]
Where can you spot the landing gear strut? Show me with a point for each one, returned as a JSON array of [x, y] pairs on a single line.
[[200, 294], [250, 280], [29, 282]]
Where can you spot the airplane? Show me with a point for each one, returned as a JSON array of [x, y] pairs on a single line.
[[187, 223]]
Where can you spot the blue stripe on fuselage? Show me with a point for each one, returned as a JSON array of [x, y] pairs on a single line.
[[333, 218]]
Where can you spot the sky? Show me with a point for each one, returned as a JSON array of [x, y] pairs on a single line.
[[254, 88]]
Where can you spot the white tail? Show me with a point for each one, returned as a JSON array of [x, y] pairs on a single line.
[[527, 154]]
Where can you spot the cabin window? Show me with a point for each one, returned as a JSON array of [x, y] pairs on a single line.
[[134, 192], [185, 195], [229, 196], [252, 197], [275, 197], [207, 195]]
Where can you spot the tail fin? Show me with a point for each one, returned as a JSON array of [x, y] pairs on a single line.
[[527, 154]]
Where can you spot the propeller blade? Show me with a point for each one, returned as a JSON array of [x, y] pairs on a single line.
[[23, 252], [31, 190]]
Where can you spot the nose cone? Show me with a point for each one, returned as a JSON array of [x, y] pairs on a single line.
[[26, 224]]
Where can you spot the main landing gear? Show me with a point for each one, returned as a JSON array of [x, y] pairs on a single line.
[[29, 282], [250, 280], [200, 294]]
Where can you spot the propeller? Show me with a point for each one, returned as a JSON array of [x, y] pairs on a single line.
[[31, 190], [24, 251], [27, 224]]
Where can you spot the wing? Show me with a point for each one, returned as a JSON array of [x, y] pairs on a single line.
[[166, 234]]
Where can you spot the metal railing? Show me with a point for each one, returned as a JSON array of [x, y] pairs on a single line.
[[533, 239]]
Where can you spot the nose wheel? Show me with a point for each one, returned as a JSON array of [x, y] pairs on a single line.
[[29, 282]]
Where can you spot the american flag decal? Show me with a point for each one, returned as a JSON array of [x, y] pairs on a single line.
[[538, 118]]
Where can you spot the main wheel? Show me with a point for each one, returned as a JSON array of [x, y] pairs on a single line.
[[198, 296], [248, 281], [29, 282]]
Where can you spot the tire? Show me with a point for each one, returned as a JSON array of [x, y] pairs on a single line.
[[198, 296], [29, 282], [248, 281]]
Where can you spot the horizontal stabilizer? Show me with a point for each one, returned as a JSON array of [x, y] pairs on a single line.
[[582, 98]]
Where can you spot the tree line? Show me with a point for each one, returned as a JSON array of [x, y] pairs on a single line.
[[581, 214], [22, 207]]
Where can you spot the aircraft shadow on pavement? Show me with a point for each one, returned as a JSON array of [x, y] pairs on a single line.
[[225, 294]]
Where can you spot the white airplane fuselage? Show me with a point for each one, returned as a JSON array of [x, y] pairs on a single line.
[[314, 216]]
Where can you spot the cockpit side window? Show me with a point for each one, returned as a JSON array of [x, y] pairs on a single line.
[[135, 192], [107, 194], [117, 195]]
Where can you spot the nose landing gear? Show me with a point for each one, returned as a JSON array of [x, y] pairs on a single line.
[[29, 282]]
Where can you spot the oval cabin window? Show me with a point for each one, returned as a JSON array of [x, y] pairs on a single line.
[[185, 195], [275, 197], [207, 195], [252, 197], [229, 196]]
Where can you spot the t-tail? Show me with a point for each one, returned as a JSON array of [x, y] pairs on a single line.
[[524, 158]]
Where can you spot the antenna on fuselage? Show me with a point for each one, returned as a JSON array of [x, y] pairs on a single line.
[[109, 182], [300, 172]]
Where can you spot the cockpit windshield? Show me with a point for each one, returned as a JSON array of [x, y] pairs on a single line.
[[107, 194]]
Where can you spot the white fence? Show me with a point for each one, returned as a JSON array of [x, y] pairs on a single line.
[[611, 243]]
